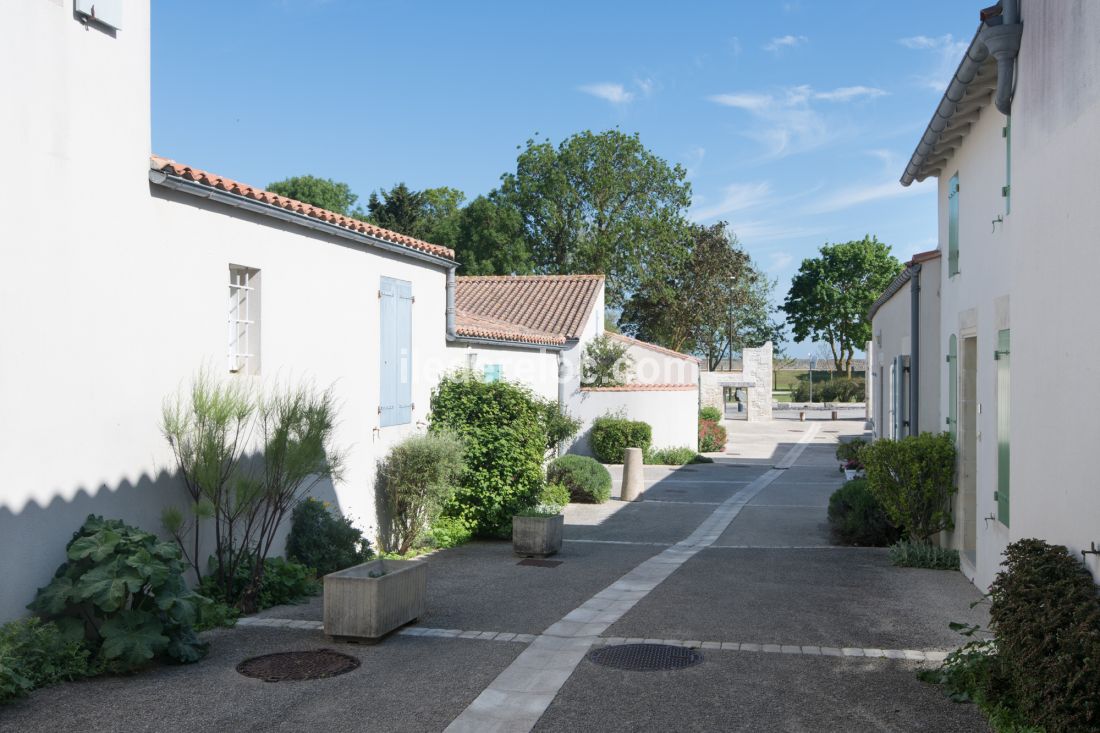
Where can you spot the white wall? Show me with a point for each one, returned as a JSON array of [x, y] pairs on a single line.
[[534, 368], [673, 415]]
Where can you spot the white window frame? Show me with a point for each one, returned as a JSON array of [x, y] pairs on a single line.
[[243, 323]]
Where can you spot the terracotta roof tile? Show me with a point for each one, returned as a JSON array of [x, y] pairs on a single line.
[[171, 167], [474, 326], [643, 388], [532, 306], [651, 347]]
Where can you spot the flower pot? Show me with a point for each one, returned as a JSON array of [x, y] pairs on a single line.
[[357, 606], [537, 536], [851, 473]]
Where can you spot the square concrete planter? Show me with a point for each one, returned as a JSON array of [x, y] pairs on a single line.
[[537, 536], [359, 607]]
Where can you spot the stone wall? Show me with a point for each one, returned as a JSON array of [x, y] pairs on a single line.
[[755, 378]]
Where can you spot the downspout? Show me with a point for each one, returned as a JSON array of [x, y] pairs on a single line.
[[452, 329], [1003, 43], [914, 350], [562, 370]]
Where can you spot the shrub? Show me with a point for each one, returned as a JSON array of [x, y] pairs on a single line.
[[1045, 612], [325, 540], [675, 457], [711, 413], [856, 517], [605, 363], [416, 480], [850, 450], [552, 499], [208, 430], [284, 582], [123, 589], [611, 435], [913, 479], [918, 555], [34, 654], [449, 532], [586, 480], [712, 437], [975, 673], [835, 389], [505, 439], [216, 615], [560, 426]]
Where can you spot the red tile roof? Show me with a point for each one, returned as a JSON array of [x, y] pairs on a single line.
[[643, 388], [540, 309], [924, 257], [652, 347], [171, 167]]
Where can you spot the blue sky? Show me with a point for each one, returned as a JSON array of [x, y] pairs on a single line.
[[793, 119]]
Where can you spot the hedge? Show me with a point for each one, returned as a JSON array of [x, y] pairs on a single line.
[[612, 435], [584, 477]]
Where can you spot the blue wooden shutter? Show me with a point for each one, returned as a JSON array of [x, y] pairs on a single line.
[[953, 225], [493, 372], [953, 386], [387, 308], [1003, 403], [404, 353]]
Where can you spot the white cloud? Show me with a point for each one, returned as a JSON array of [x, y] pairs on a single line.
[[778, 44], [693, 160], [614, 93], [645, 86], [791, 124], [946, 51], [755, 231], [735, 197], [845, 198]]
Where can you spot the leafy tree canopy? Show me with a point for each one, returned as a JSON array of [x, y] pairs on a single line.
[[323, 192], [831, 294], [599, 203], [489, 238]]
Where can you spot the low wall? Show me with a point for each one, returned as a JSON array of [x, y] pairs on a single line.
[[672, 413]]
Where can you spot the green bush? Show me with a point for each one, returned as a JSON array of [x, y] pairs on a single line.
[[449, 532], [605, 363], [913, 479], [501, 425], [34, 654], [674, 457], [918, 555], [611, 435], [1045, 612], [585, 478], [856, 517], [325, 540], [416, 480], [974, 673], [558, 423], [552, 499], [712, 437], [284, 582], [834, 389], [216, 615], [711, 413], [850, 450], [123, 589]]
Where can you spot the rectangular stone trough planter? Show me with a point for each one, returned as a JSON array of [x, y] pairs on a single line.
[[359, 607], [537, 536]]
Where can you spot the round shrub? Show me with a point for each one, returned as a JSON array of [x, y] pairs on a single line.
[[613, 435], [585, 478], [1045, 612], [324, 540], [502, 427], [712, 437], [913, 479], [857, 518], [417, 479], [710, 413]]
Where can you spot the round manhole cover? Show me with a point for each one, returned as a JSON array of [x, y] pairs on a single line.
[[311, 665], [645, 657]]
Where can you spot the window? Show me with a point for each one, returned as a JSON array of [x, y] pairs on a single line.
[[1003, 403], [953, 386], [953, 226], [395, 305], [244, 320], [493, 372]]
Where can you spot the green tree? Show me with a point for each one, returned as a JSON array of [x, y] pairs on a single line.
[[711, 302], [600, 203], [400, 209], [831, 294], [489, 238], [323, 192]]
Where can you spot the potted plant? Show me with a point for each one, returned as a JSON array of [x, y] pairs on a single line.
[[537, 530], [370, 600], [853, 468]]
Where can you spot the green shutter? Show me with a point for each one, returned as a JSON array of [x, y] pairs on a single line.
[[953, 386], [1003, 403], [1007, 190], [953, 225], [493, 372]]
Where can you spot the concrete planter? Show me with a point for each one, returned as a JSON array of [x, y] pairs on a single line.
[[537, 536], [360, 607]]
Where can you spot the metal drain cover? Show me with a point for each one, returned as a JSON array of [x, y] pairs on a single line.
[[311, 665], [645, 657]]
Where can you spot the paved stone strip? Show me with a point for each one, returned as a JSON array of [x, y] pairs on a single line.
[[620, 542], [518, 697], [914, 655], [279, 623]]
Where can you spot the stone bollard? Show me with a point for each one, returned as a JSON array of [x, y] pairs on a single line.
[[834, 414], [633, 476], [802, 417]]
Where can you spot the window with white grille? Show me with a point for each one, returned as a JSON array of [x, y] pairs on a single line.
[[244, 320]]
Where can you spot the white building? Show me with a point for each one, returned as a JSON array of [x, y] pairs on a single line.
[[1013, 145], [126, 274]]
